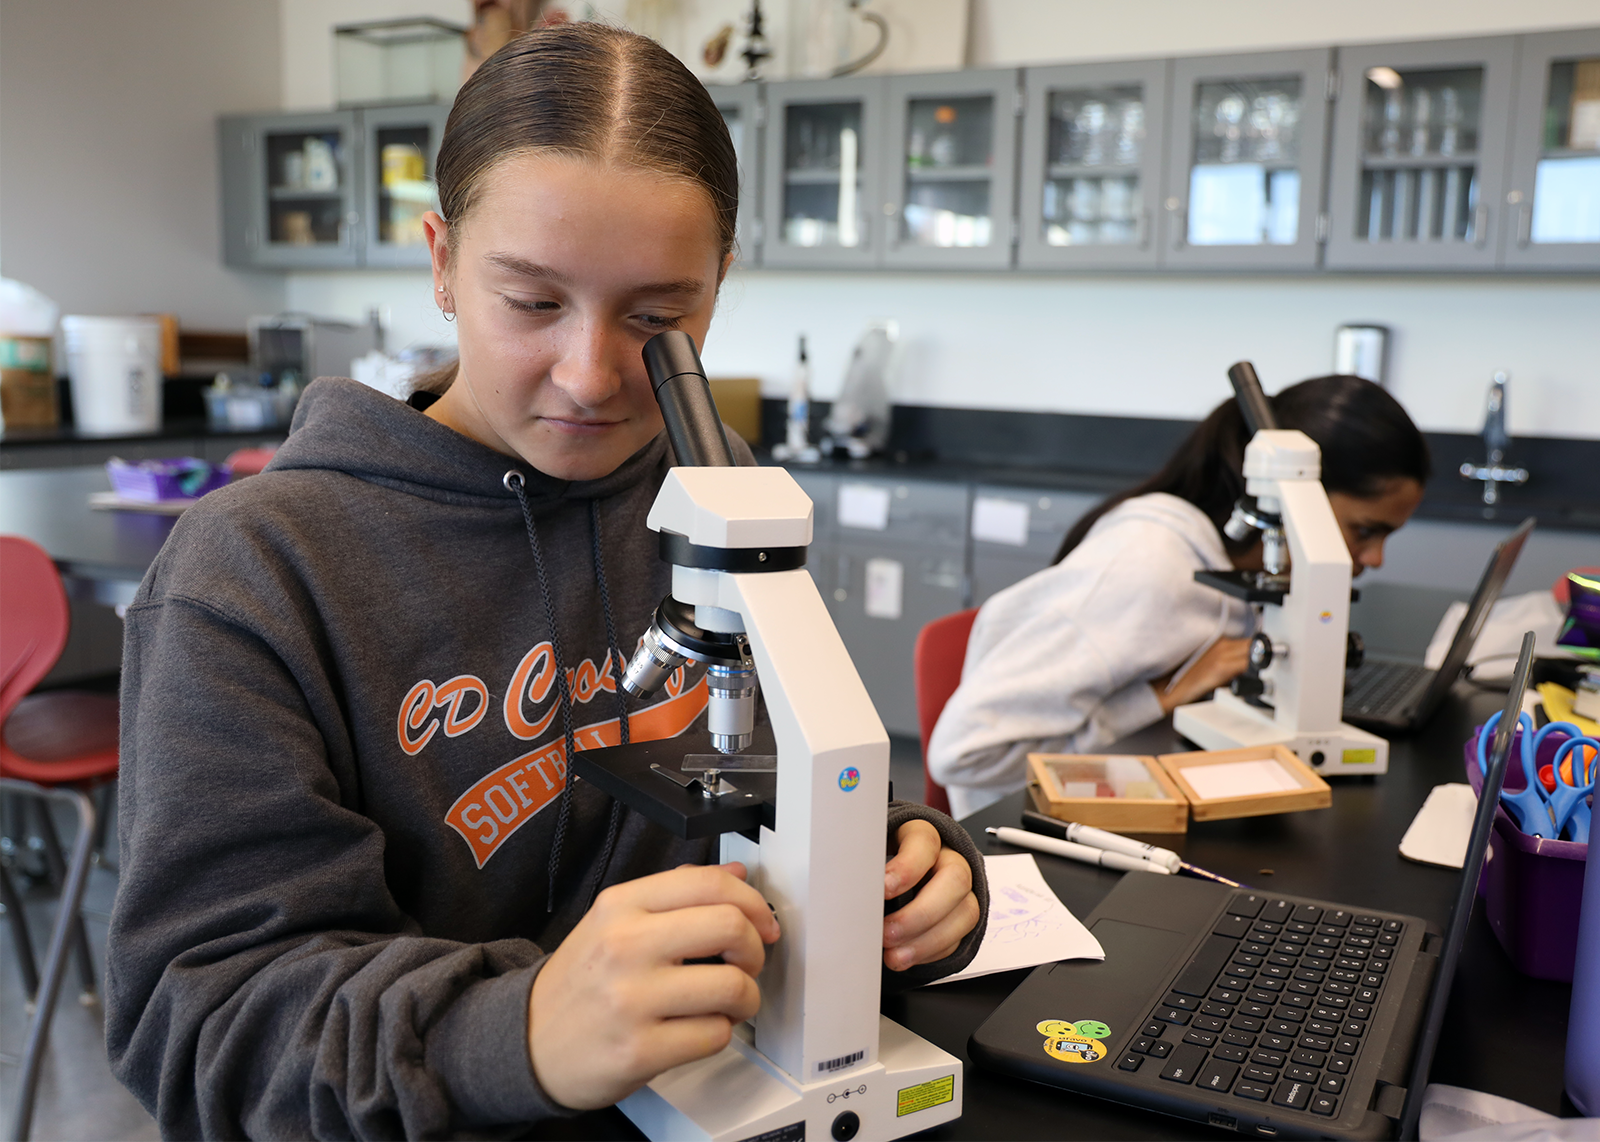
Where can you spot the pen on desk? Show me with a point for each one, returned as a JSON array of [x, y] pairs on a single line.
[[1099, 839], [1105, 858], [1088, 835]]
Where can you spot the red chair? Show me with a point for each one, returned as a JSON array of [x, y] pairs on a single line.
[[54, 746], [936, 672]]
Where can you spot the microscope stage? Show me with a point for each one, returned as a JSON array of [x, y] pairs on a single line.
[[624, 772]]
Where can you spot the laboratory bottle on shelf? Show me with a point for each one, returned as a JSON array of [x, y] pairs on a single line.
[[797, 443]]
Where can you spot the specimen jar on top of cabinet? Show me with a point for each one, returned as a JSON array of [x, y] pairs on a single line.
[[745, 114], [950, 177], [400, 145], [1093, 143], [1553, 194], [1417, 178], [1245, 165], [823, 174], [290, 190]]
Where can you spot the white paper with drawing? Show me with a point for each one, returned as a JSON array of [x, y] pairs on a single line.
[[1028, 925]]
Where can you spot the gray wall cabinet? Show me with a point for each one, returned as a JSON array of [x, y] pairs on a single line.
[[950, 170], [335, 190], [1419, 155], [744, 110], [1093, 151], [1246, 158], [822, 174], [1553, 183]]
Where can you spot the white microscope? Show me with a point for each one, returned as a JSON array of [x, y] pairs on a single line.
[[819, 1061], [1293, 693]]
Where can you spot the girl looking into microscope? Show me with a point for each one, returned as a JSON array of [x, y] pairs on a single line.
[[1116, 634], [359, 894]]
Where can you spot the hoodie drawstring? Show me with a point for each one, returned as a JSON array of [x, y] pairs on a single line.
[[515, 483]]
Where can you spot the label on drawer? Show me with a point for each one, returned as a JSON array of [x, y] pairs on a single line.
[[885, 586], [864, 506], [995, 520]]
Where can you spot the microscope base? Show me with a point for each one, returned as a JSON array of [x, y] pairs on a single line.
[[738, 1094], [1225, 722]]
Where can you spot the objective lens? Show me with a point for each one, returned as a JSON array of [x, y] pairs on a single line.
[[652, 665], [730, 707]]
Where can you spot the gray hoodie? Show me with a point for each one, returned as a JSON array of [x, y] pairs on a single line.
[[343, 757], [1062, 661]]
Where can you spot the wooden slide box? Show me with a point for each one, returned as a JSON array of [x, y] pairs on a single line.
[[1092, 790], [1308, 791]]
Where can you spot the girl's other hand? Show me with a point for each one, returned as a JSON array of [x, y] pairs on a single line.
[[615, 1004], [1223, 661], [932, 926]]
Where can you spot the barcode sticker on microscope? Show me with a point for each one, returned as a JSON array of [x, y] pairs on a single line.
[[839, 1064]]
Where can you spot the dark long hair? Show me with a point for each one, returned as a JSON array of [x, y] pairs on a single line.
[[591, 91], [1365, 436]]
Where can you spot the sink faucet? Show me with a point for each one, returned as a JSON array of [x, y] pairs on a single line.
[[1495, 440]]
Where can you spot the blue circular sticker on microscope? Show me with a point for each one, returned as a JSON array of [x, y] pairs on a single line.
[[849, 778]]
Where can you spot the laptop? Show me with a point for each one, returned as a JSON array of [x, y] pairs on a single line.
[[1259, 1012], [1394, 697]]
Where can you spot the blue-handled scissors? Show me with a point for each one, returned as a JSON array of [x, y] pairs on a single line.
[[1541, 814]]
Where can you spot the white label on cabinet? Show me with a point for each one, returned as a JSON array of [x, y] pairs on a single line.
[[864, 505], [885, 583], [995, 520]]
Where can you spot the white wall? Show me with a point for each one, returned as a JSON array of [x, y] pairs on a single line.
[[1120, 344], [108, 165]]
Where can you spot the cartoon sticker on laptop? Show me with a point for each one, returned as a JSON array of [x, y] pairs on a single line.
[[1074, 1042]]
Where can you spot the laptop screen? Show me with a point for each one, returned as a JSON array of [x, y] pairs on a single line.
[[1488, 591], [1461, 912]]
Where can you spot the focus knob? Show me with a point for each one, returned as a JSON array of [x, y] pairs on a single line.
[[1260, 653], [1355, 651], [1248, 686]]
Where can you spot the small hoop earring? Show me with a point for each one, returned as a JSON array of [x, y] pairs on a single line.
[[449, 314]]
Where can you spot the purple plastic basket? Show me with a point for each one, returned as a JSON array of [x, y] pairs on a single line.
[[1531, 887], [183, 478]]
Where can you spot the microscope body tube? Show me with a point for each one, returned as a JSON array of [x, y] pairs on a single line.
[[684, 394], [1258, 414]]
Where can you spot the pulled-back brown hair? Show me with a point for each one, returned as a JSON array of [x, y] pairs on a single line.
[[591, 91]]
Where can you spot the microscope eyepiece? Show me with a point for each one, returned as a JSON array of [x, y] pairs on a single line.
[[679, 380]]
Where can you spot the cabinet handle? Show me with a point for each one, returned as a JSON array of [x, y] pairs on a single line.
[[1180, 232], [1480, 227], [1524, 225], [1144, 229]]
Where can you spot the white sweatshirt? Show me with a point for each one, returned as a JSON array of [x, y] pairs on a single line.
[[1062, 661]]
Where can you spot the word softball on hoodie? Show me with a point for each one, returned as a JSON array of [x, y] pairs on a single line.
[[487, 814]]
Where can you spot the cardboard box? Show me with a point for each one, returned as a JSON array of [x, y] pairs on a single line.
[[1220, 784]]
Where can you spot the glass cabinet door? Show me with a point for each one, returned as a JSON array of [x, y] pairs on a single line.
[[951, 156], [1418, 154], [1091, 165], [401, 144], [1554, 188], [744, 113], [303, 191], [822, 169], [1245, 178]]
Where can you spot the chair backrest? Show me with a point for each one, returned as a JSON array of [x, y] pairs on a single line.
[[249, 461], [936, 672], [34, 619]]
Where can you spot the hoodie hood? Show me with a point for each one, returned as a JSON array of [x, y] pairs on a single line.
[[1175, 514], [345, 426]]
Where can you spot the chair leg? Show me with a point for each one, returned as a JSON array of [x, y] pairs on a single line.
[[56, 958], [19, 936], [58, 861], [104, 798]]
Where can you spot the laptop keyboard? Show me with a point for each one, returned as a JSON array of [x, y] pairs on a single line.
[[1274, 1005], [1384, 689]]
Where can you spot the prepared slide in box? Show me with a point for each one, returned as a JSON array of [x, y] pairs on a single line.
[[1251, 782], [1122, 793]]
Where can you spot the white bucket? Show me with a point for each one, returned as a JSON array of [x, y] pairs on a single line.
[[114, 364]]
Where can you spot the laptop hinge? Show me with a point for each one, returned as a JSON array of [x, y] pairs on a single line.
[[1388, 1100]]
